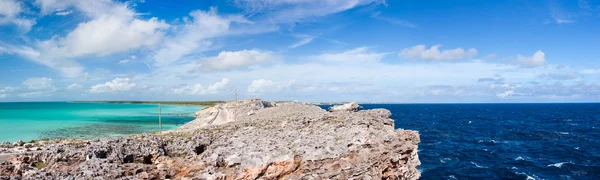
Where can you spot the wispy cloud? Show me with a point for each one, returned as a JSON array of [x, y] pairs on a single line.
[[302, 42], [400, 22]]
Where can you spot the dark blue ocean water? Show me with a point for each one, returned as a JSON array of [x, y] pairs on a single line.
[[503, 141]]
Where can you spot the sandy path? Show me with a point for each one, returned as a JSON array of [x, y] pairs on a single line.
[[222, 115]]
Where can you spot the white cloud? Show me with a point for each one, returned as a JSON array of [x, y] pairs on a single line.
[[89, 8], [236, 59], [194, 35], [302, 42], [434, 54], [4, 91], [198, 89], [67, 67], [105, 35], [590, 71], [33, 94], [125, 61], [38, 83], [74, 86], [38, 86], [357, 55], [378, 16], [63, 13], [113, 27], [10, 8], [264, 85], [536, 60], [289, 11], [116, 85], [10, 11], [505, 94]]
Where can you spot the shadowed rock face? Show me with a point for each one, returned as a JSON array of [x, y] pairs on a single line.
[[275, 141]]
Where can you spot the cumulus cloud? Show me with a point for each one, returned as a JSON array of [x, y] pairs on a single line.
[[105, 35], [112, 28], [357, 55], [194, 36], [116, 85], [536, 60], [198, 89], [235, 59], [264, 85], [434, 54]]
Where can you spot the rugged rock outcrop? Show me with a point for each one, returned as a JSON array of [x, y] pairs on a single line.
[[275, 141], [353, 106]]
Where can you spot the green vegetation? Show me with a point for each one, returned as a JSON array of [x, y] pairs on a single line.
[[189, 103], [43, 139], [40, 165]]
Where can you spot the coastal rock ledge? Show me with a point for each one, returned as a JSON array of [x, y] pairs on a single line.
[[250, 139]]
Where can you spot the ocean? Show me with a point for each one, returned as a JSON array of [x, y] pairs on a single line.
[[36, 120], [503, 141]]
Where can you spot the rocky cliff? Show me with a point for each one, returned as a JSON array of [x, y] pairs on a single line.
[[250, 139]]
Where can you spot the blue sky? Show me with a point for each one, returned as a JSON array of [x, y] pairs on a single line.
[[308, 50]]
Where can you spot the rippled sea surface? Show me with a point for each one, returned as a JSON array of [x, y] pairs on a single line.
[[34, 120], [503, 141]]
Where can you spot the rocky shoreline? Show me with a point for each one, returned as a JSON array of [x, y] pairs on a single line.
[[250, 139]]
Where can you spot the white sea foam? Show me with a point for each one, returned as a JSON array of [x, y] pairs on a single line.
[[528, 176], [443, 160], [519, 159], [452, 177], [564, 133], [559, 165], [477, 165]]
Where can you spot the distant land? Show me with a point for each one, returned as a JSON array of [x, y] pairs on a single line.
[[188, 103]]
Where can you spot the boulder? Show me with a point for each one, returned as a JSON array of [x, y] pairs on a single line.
[[353, 107], [19, 143]]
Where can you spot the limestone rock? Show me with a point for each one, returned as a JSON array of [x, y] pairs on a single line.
[[19, 143], [353, 107], [283, 141]]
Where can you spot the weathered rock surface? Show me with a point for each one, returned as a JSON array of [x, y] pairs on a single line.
[[277, 141], [353, 106]]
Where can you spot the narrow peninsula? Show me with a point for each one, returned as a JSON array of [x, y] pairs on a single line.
[[249, 139]]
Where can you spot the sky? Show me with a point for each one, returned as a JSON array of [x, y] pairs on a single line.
[[411, 51]]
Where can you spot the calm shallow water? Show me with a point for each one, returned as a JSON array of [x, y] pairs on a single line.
[[503, 141], [28, 121]]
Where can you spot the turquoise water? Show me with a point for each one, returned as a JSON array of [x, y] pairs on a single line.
[[35, 120]]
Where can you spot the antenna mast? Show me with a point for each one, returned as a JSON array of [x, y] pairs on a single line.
[[235, 104], [159, 120]]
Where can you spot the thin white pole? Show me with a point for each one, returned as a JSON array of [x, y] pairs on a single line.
[[159, 120], [235, 104]]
